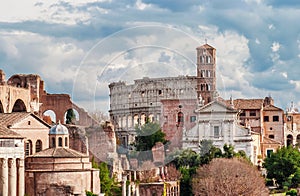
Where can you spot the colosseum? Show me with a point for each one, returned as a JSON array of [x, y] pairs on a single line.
[[170, 101]]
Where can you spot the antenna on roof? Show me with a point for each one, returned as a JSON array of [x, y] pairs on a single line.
[[205, 41]]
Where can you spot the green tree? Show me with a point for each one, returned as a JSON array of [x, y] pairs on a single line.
[[187, 162], [148, 135], [70, 117], [208, 151], [284, 166], [108, 184]]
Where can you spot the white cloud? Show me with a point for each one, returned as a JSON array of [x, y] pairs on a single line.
[[141, 6], [271, 27], [257, 41], [275, 46]]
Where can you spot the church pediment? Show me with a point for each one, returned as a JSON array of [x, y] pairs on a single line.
[[215, 106]]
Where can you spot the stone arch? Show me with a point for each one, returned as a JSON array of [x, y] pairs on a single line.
[[1, 108], [136, 119], [143, 118], [49, 116], [16, 81], [289, 140], [77, 117], [19, 106], [151, 117]]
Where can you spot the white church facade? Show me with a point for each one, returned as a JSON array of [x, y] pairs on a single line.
[[218, 122]]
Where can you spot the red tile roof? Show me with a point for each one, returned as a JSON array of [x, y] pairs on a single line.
[[59, 153], [7, 133], [8, 119], [250, 104]]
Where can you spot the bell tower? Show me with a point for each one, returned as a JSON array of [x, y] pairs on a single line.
[[206, 72]]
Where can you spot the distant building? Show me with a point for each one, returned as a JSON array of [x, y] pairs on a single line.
[[292, 126], [59, 170], [31, 127], [12, 163], [219, 123], [165, 100], [265, 119]]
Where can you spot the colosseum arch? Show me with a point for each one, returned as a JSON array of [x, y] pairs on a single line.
[[19, 106]]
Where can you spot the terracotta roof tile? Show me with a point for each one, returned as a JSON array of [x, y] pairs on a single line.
[[7, 133], [272, 108], [8, 119], [270, 141], [59, 152], [247, 103]]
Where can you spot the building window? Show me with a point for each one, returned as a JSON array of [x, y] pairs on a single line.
[[271, 136], [216, 131], [66, 142], [28, 148], [202, 73], [243, 113], [180, 119], [53, 142], [266, 118], [192, 118], [275, 118], [60, 142], [159, 92], [38, 146], [208, 87], [7, 143], [202, 59], [208, 73], [269, 152], [252, 113], [165, 119], [29, 122], [208, 59], [289, 118]]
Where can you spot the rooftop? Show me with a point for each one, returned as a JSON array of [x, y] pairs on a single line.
[[59, 153]]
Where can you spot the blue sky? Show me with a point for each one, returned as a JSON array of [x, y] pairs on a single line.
[[78, 47]]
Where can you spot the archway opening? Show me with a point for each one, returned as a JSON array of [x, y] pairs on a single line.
[[19, 106], [289, 140], [71, 116], [49, 117]]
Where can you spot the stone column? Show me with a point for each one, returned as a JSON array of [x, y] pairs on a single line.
[[4, 177], [12, 177], [124, 185], [21, 177]]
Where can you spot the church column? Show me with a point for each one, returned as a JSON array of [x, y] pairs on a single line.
[[4, 177], [21, 177], [12, 177]]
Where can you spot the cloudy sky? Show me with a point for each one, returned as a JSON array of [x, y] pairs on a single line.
[[78, 48]]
